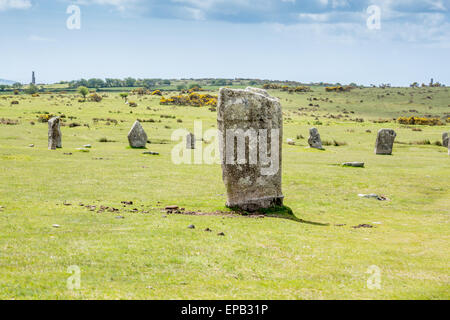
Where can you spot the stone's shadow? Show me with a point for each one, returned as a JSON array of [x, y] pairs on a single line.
[[282, 212]]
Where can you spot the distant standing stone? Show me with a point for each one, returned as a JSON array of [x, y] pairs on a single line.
[[54, 133], [314, 139], [445, 139], [137, 136], [250, 125], [190, 141], [385, 141]]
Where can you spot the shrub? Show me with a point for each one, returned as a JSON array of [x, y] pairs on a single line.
[[9, 122], [157, 93], [83, 91], [94, 97], [420, 121], [339, 89], [132, 104], [44, 117], [14, 102], [192, 99]]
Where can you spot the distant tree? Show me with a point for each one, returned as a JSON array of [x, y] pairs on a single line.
[[95, 83], [148, 83], [17, 85], [181, 87], [194, 85], [83, 91], [130, 82], [3, 87]]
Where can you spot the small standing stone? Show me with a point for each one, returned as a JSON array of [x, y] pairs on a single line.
[[385, 141], [190, 141], [137, 136], [314, 139], [445, 139], [54, 133]]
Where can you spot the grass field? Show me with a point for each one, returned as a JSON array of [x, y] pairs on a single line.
[[148, 254]]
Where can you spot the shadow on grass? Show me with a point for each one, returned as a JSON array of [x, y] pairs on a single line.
[[282, 212]]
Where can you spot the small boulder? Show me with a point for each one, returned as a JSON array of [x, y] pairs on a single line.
[[353, 164]]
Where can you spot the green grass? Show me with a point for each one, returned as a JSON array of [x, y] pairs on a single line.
[[296, 252]]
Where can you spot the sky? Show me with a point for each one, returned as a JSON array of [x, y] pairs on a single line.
[[300, 40]]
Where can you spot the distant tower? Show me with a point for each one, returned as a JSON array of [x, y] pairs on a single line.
[[432, 82], [33, 78]]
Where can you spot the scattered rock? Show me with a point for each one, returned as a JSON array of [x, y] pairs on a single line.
[[208, 230], [120, 217], [373, 196], [191, 226], [290, 142], [363, 226], [56, 226], [171, 208], [353, 164], [151, 153], [67, 154], [83, 150], [87, 146], [31, 146], [129, 203], [221, 234]]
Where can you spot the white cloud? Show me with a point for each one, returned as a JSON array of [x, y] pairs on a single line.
[[118, 4], [40, 39], [14, 4]]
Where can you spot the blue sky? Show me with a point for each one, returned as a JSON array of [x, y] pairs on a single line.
[[303, 40]]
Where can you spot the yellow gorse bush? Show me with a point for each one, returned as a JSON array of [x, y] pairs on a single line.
[[338, 89], [193, 99], [420, 121]]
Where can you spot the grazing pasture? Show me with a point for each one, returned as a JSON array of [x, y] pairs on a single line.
[[102, 208]]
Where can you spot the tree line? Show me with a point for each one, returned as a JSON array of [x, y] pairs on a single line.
[[117, 83]]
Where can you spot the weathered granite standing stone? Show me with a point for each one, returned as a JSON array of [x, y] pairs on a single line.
[[54, 133], [445, 139], [250, 139], [314, 139], [190, 141], [137, 136], [385, 141]]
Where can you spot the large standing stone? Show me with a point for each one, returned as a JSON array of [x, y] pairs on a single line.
[[385, 141], [137, 136], [190, 141], [445, 139], [54, 133], [250, 139], [314, 139]]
